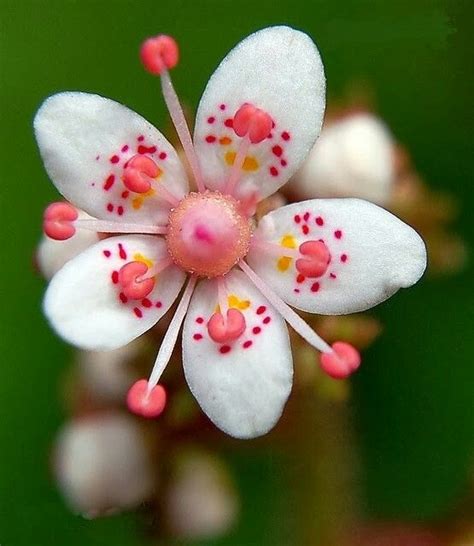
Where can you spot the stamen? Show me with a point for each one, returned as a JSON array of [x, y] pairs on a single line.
[[145, 402], [253, 122], [274, 249], [158, 267], [342, 361], [139, 174], [254, 125], [104, 226], [226, 325], [169, 341], [158, 54], [132, 279], [58, 221], [316, 259], [236, 170], [293, 319], [226, 330]]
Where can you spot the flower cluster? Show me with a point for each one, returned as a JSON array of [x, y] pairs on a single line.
[[260, 115]]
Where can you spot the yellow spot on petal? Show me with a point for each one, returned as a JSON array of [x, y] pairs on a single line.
[[236, 303], [225, 141], [288, 241], [250, 163], [137, 202], [140, 258], [160, 174], [284, 263]]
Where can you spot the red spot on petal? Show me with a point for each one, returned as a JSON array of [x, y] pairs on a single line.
[[300, 278], [158, 304], [114, 159], [224, 349], [247, 344], [163, 155], [319, 221], [273, 171], [338, 234], [120, 210], [315, 287], [197, 337], [211, 119], [305, 229], [122, 253], [125, 148], [283, 163], [306, 216], [343, 258], [277, 150], [146, 149], [123, 297], [332, 275], [261, 310], [146, 302], [296, 290], [256, 330], [115, 277], [110, 207], [222, 106], [199, 320], [138, 312], [210, 139], [229, 122], [109, 182], [107, 253], [297, 218], [125, 194], [285, 135], [141, 138], [267, 320]]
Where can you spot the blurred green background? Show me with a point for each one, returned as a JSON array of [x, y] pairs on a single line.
[[413, 409]]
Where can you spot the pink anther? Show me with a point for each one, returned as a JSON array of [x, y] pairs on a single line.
[[316, 259], [253, 122], [133, 286], [138, 173], [342, 361], [224, 331], [58, 221], [146, 402], [159, 53]]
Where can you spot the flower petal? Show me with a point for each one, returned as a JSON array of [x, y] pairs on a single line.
[[51, 255], [372, 254], [242, 385], [278, 70], [86, 140], [84, 302]]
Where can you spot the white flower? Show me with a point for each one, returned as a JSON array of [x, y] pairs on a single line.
[[259, 116], [353, 157], [102, 464], [201, 500]]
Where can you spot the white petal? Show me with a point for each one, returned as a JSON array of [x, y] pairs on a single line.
[[85, 141], [102, 464], [242, 386], [373, 254], [51, 255], [279, 70], [83, 301], [353, 157]]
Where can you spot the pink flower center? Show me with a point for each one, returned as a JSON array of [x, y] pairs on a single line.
[[207, 234]]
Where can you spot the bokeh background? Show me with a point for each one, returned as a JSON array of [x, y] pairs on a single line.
[[411, 407]]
